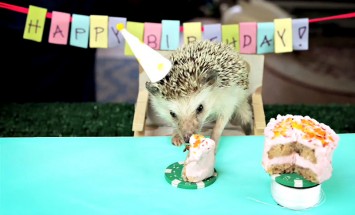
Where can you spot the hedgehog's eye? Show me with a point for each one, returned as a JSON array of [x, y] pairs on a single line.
[[199, 109], [173, 114]]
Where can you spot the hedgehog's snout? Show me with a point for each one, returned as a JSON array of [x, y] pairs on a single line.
[[187, 137]]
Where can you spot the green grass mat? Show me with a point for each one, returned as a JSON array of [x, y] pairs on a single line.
[[110, 119], [58, 119]]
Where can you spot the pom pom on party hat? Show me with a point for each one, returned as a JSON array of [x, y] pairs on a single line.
[[153, 63]]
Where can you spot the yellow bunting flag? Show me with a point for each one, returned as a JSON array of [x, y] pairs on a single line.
[[283, 35], [192, 32], [35, 23], [153, 63], [98, 31]]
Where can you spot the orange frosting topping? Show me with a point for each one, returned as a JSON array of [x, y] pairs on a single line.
[[198, 140], [309, 128]]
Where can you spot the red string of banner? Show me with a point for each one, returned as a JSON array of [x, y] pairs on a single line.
[[49, 14], [342, 16]]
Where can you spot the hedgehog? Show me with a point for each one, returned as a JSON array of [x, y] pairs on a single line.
[[208, 83]]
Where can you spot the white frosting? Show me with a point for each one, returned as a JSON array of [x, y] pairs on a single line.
[[200, 161], [303, 130]]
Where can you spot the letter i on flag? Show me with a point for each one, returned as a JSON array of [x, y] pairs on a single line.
[[153, 63]]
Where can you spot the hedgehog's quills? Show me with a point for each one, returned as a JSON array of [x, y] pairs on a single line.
[[208, 82]]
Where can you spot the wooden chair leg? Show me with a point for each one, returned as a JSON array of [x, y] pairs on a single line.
[[140, 113], [259, 114]]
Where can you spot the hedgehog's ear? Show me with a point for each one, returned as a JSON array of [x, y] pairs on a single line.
[[210, 79], [154, 90]]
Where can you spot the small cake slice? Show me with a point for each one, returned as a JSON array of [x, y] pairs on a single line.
[[298, 144], [200, 161]]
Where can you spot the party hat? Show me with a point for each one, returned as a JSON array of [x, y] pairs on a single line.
[[153, 63]]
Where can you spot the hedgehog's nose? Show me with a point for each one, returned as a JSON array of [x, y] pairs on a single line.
[[187, 138]]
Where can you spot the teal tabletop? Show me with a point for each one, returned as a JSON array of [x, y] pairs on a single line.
[[125, 175]]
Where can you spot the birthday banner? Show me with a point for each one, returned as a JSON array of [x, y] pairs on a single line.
[[99, 31]]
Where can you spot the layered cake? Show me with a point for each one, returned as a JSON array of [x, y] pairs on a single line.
[[200, 161], [298, 144]]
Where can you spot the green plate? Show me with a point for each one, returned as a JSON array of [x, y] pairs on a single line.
[[294, 180], [173, 175]]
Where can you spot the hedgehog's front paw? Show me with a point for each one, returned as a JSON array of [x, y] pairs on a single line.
[[177, 140]]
